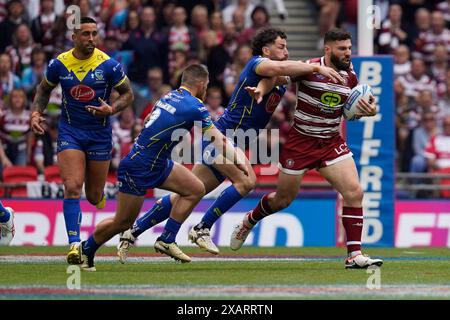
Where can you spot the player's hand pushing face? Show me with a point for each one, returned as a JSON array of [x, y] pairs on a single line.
[[367, 108], [332, 74], [102, 111]]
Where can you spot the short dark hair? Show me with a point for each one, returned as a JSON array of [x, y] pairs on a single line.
[[336, 34], [264, 37], [260, 8], [87, 20], [194, 73]]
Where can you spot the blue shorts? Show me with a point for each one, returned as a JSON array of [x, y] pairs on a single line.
[[135, 178], [97, 144]]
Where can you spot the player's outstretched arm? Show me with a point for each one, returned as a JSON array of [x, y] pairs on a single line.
[[264, 87], [271, 68], [124, 100], [43, 91], [227, 150]]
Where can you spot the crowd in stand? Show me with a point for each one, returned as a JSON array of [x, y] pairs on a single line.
[[155, 40]]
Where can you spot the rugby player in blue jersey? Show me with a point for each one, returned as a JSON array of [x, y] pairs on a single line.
[[148, 165], [87, 76], [269, 59]]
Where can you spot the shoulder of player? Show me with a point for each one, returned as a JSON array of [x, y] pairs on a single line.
[[314, 61]]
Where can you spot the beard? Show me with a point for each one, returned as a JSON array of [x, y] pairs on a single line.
[[341, 65]]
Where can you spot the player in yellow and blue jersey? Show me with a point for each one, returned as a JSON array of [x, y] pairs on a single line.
[[87, 76], [148, 165], [243, 112]]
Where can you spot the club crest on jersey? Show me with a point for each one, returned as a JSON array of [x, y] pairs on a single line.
[[82, 93], [99, 75], [272, 102], [290, 163]]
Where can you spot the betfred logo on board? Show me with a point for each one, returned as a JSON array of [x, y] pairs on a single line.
[[82, 93]]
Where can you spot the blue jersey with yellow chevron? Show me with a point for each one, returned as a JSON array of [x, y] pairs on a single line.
[[242, 111], [148, 163], [82, 83]]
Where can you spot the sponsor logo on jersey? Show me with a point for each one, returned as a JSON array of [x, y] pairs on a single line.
[[82, 93], [272, 102], [68, 77], [330, 100]]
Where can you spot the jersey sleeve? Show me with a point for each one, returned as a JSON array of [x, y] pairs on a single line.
[[117, 75], [204, 117], [256, 62], [52, 73]]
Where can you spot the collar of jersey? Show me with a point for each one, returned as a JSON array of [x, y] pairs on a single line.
[[184, 88], [80, 68]]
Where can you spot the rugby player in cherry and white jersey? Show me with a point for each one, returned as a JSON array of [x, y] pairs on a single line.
[[315, 142]]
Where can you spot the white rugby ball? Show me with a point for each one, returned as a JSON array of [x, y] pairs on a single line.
[[350, 107]]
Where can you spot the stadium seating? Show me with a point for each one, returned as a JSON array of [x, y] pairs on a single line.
[[19, 174], [51, 174]]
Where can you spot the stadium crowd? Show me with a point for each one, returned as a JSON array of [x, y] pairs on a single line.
[[155, 40]]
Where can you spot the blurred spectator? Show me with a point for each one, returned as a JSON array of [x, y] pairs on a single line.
[[180, 62], [422, 23], [119, 18], [383, 6], [427, 41], [439, 68], [420, 137], [244, 6], [329, 10], [181, 39], [111, 46], [154, 82], [3, 10], [393, 31], [217, 59], [229, 38], [402, 65], [131, 25], [165, 15], [33, 75], [148, 46], [417, 80], [239, 20], [444, 101], [217, 26], [279, 6], [126, 146], [260, 19], [15, 128], [444, 7], [121, 132], [20, 51], [410, 7], [437, 151], [8, 80], [213, 102], [41, 27], [199, 20], [164, 89], [8, 26], [233, 71], [348, 17]]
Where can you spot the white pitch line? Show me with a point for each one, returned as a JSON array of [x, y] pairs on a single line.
[[23, 259]]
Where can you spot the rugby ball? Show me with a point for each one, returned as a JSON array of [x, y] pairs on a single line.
[[350, 107]]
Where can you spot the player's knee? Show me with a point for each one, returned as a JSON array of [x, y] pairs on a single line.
[[72, 189], [123, 224], [245, 185], [196, 191], [354, 195], [94, 197]]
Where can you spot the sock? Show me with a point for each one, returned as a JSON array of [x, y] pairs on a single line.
[[227, 199], [159, 212], [72, 217], [170, 231], [4, 214], [90, 246], [352, 219], [261, 210]]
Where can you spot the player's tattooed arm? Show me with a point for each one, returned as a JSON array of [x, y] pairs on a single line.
[[43, 91], [124, 100], [264, 86]]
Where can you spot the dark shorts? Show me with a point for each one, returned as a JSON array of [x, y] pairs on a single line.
[[301, 153], [97, 144], [136, 179]]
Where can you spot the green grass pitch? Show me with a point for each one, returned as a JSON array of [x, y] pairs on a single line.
[[251, 273]]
